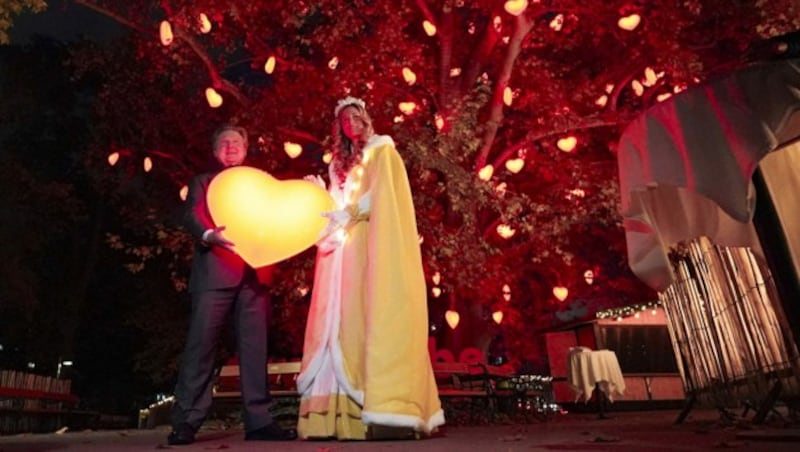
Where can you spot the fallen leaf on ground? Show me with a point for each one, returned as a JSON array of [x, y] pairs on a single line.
[[605, 439], [511, 438]]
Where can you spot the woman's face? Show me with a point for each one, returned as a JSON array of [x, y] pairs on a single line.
[[352, 122]]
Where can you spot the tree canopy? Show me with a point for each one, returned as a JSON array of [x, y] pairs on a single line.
[[507, 122]]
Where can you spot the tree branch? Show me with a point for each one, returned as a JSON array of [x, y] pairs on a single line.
[[116, 17], [217, 80], [479, 56], [587, 123], [522, 25], [299, 134]]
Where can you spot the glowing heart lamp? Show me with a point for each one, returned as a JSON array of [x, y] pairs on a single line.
[[515, 165], [497, 316], [630, 22], [452, 318], [515, 7], [267, 219], [560, 292]]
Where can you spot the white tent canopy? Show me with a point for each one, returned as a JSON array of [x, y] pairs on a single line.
[[685, 166]]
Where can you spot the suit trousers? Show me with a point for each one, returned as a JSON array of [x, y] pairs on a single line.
[[250, 305]]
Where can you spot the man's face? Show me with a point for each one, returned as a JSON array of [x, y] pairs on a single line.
[[229, 148]]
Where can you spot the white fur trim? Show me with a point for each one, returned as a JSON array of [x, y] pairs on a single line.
[[403, 420], [378, 140]]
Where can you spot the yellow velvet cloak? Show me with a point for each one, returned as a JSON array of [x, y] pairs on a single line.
[[365, 357]]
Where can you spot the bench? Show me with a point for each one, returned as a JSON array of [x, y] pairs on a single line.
[[282, 380], [463, 381], [473, 382], [31, 410]]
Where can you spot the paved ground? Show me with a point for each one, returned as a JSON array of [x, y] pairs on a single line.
[[626, 431]]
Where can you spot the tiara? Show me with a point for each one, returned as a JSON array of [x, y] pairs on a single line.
[[349, 100]]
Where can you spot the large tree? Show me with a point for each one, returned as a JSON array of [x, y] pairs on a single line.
[[507, 120]]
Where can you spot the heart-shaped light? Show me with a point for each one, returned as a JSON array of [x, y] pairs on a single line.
[[567, 144], [560, 292], [267, 219], [515, 165], [213, 98], [630, 22], [497, 316], [452, 318], [515, 7], [293, 150]]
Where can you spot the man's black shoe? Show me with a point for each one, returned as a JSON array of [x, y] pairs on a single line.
[[272, 432], [181, 435]]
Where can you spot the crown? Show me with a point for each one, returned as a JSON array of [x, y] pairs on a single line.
[[349, 100]]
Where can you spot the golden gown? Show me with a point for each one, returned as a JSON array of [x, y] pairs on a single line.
[[365, 356]]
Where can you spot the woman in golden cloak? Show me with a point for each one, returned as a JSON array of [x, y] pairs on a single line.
[[365, 358]]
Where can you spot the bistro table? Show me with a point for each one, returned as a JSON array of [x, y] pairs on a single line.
[[589, 370]]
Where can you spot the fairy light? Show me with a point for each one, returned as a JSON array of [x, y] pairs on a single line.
[[113, 158], [637, 86], [407, 107], [515, 165], [629, 23], [508, 96], [293, 150], [147, 164], [205, 24], [486, 172], [269, 65], [409, 76], [327, 157], [650, 77], [184, 193], [438, 120], [557, 23], [505, 231], [627, 311], [430, 28], [213, 98], [515, 8], [165, 33], [497, 316], [567, 144], [333, 62]]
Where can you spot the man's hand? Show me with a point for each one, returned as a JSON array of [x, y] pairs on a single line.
[[215, 237]]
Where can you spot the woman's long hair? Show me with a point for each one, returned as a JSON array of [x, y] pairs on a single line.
[[345, 153]]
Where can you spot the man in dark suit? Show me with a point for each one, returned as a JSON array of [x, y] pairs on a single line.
[[222, 282]]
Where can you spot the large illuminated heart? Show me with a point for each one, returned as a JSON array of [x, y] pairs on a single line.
[[267, 219]]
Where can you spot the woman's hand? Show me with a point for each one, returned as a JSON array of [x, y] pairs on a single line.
[[316, 179]]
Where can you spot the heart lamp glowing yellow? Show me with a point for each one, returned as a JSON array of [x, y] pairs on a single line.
[[267, 219]]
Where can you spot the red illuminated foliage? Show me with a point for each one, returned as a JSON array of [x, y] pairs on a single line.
[[153, 98]]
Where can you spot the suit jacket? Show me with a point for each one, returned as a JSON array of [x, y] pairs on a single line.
[[213, 267]]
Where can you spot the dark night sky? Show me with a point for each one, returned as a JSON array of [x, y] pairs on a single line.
[[65, 22]]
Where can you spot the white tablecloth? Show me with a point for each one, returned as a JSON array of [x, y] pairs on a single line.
[[587, 368]]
